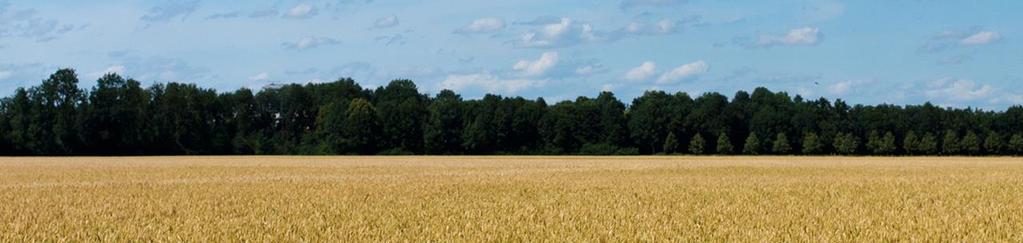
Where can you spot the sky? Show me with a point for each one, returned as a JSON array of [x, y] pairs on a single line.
[[950, 53]]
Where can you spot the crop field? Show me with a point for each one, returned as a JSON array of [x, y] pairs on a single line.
[[343, 199]]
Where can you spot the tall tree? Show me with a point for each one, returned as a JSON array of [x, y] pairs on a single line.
[[443, 132], [812, 144], [971, 143], [362, 127], [950, 143], [752, 145], [1016, 144], [402, 111], [724, 145], [846, 143], [697, 145], [671, 143], [994, 143], [781, 144]]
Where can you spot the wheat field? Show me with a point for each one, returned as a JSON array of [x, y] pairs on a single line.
[[344, 199]]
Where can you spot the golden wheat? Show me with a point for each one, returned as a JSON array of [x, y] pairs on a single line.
[[345, 199]]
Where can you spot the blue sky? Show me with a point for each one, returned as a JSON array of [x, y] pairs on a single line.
[[953, 53]]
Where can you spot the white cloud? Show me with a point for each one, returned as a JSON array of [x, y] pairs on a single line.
[[806, 36], [627, 4], [301, 11], [538, 67], [564, 32], [489, 83], [642, 72], [483, 25], [958, 90], [170, 10], [386, 22], [310, 42], [585, 70], [260, 77], [684, 72], [981, 38], [5, 74], [116, 69], [840, 88], [661, 27]]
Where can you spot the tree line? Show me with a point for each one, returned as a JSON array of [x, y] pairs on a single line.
[[120, 117]]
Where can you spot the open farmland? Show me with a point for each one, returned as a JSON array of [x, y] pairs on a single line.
[[344, 199]]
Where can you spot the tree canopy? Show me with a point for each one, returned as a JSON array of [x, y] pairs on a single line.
[[119, 116]]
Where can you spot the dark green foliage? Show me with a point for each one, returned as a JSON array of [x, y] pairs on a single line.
[[928, 145], [1016, 144], [994, 143], [724, 145], [752, 145], [362, 127], [970, 143], [781, 144], [879, 145], [846, 143], [950, 144], [120, 117], [812, 144], [670, 144], [697, 145]]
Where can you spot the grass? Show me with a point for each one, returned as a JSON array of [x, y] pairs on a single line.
[[343, 199]]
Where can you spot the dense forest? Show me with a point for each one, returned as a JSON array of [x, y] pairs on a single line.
[[120, 117]]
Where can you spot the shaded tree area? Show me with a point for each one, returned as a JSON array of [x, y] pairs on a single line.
[[120, 117]]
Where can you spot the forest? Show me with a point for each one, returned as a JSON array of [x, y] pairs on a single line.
[[120, 117]]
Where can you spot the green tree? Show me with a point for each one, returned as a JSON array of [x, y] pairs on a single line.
[[812, 144], [697, 145], [971, 143], [443, 132], [950, 144], [911, 144], [881, 145], [846, 143], [781, 144], [888, 146], [648, 121], [670, 144], [724, 145], [402, 111], [114, 120], [994, 143], [1016, 144], [752, 145], [361, 127], [928, 144]]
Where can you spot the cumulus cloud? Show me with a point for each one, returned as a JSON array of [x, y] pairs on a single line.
[[663, 26], [170, 10], [539, 66], [310, 42], [28, 24], [388, 40], [958, 90], [643, 72], [301, 11], [489, 83], [981, 38], [565, 32], [806, 36], [840, 88], [683, 72], [159, 69], [629, 4], [260, 77], [483, 25], [386, 22], [956, 39]]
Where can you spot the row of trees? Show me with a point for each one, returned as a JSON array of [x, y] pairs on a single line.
[[120, 117]]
